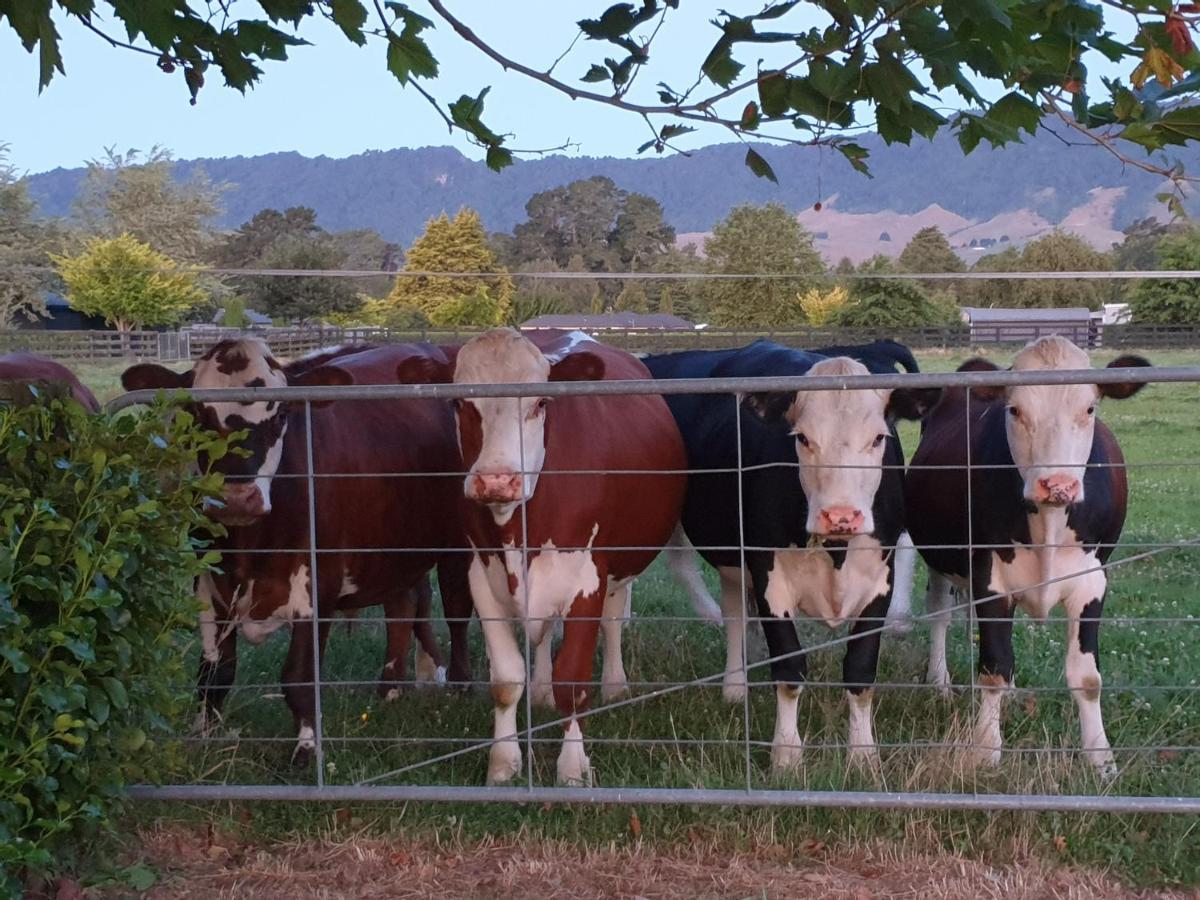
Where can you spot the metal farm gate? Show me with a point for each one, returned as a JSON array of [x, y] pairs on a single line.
[[671, 740]]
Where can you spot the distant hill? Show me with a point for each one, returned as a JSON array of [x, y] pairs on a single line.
[[1017, 191]]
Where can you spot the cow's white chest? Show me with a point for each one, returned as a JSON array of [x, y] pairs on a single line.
[[1055, 570], [298, 605], [555, 578], [805, 580]]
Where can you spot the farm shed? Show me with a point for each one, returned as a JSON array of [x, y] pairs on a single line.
[[60, 317], [1020, 326], [622, 321]]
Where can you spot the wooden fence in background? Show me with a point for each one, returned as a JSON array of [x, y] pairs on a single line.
[[168, 346]]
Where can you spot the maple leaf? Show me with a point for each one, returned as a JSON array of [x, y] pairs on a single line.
[[1159, 65], [1181, 36]]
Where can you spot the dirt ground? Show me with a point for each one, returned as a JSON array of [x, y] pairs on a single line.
[[202, 865]]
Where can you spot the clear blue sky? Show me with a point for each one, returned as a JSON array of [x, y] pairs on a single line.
[[336, 99]]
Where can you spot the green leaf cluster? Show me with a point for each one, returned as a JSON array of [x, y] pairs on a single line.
[[101, 538]]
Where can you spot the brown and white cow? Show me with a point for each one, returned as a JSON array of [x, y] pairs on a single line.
[[548, 509], [30, 367], [265, 580], [1043, 507]]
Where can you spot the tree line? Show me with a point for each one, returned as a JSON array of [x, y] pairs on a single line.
[[137, 241]]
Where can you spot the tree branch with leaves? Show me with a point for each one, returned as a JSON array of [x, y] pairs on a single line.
[[900, 67]]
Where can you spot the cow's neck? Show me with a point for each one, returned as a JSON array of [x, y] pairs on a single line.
[[1048, 534]]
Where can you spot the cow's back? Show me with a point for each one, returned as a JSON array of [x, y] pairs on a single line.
[[25, 366]]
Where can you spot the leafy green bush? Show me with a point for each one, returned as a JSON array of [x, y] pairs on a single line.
[[100, 524], [1173, 301], [887, 303]]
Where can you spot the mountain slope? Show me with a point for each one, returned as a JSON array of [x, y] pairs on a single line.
[[396, 191]]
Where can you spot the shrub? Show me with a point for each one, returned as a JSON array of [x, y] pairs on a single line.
[[100, 524]]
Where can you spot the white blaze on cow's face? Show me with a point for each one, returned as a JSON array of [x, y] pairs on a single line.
[[237, 364], [840, 438], [1051, 427], [503, 440]]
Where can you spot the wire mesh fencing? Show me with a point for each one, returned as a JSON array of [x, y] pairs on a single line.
[[673, 713]]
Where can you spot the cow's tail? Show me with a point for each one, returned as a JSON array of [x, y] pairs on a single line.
[[899, 614], [900, 355], [684, 563]]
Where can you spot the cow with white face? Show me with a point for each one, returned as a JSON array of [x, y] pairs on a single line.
[[821, 509], [265, 580], [1044, 504], [556, 491]]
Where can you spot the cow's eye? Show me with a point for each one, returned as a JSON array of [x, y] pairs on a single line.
[[542, 403], [1014, 412], [802, 440], [1092, 410], [457, 403], [879, 439]]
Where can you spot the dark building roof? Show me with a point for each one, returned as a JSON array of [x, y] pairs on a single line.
[[981, 315], [253, 317], [622, 321]]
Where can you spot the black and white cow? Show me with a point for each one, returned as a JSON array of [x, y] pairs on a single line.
[[1043, 507], [820, 543]]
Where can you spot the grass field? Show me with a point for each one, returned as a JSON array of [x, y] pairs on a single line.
[[1150, 657]]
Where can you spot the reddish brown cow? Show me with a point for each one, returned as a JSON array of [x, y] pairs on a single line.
[[544, 524], [32, 367], [266, 580]]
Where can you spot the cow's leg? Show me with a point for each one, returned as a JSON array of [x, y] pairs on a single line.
[[572, 682], [299, 685], [618, 605], [899, 616], [218, 660], [995, 663], [858, 672], [1084, 607], [507, 670], [789, 669], [398, 610], [429, 666], [733, 611], [457, 607], [938, 600], [684, 563], [541, 686]]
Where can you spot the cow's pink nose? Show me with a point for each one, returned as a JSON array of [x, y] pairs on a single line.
[[1058, 489], [495, 487], [244, 503], [841, 520]]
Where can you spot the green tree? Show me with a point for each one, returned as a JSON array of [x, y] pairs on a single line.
[[632, 298], [993, 294], [1170, 301], [759, 240], [641, 233], [139, 196], [930, 252], [1139, 250], [1059, 251], [246, 247], [24, 246], [306, 297], [454, 245], [887, 303], [870, 63], [127, 283]]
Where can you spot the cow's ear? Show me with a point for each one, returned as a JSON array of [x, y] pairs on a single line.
[[770, 406], [912, 403], [322, 376], [153, 377], [1122, 390], [423, 370], [581, 366], [989, 393]]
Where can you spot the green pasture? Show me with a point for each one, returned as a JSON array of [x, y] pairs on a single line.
[[692, 738]]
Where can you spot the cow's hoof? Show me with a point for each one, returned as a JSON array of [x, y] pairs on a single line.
[[389, 692], [1106, 767], [983, 753], [504, 762], [863, 759], [941, 681], [734, 688], [787, 754], [428, 671], [574, 768], [614, 690]]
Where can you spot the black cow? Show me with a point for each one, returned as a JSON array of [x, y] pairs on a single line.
[[821, 543], [1043, 508]]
